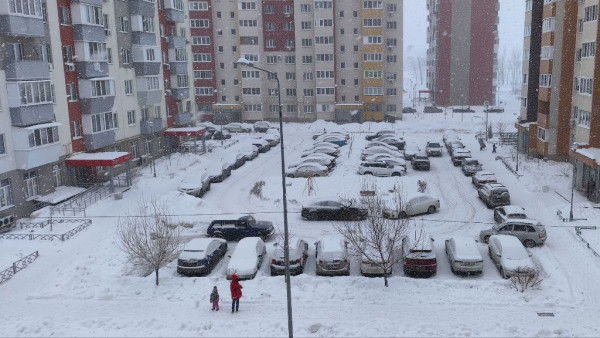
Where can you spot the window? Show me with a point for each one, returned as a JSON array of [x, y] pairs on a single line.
[[269, 9], [5, 193], [323, 4], [290, 59], [198, 5], [548, 24], [523, 102], [307, 76], [323, 40], [247, 5], [205, 74], [324, 57], [96, 51], [271, 59], [372, 4], [131, 117], [372, 22], [150, 55], [205, 23], [93, 15], [157, 112], [204, 91], [102, 122], [527, 30], [308, 108], [202, 57], [306, 25], [588, 49], [372, 40], [591, 13], [25, 7], [307, 43], [182, 81], [547, 53], [152, 83], [325, 91], [72, 92], [2, 146], [525, 78], [128, 87], [545, 80], [180, 55], [31, 188], [101, 88], [305, 8], [324, 74], [76, 129], [116, 120], [290, 76], [124, 24], [307, 59], [391, 58], [391, 92], [324, 23], [109, 55], [290, 91], [372, 57], [309, 92], [251, 91], [17, 51], [391, 25], [584, 85], [63, 15], [126, 55], [542, 134], [391, 42], [583, 118], [251, 23], [133, 149], [270, 43], [372, 74], [373, 91], [527, 5], [36, 92], [148, 24]]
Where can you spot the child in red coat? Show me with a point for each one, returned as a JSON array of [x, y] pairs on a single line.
[[236, 293]]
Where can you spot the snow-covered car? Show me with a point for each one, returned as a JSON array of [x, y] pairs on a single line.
[[463, 255], [470, 166], [420, 161], [312, 159], [450, 137], [219, 175], [298, 254], [250, 153], [200, 255], [334, 209], [398, 162], [383, 156], [506, 212], [371, 264], [494, 195], [273, 139], [325, 144], [237, 128], [262, 145], [221, 135], [334, 139], [247, 258], [418, 255], [391, 140], [195, 184], [415, 204], [380, 168], [238, 160], [306, 170], [379, 150], [482, 177], [381, 144], [453, 145], [529, 231], [433, 149], [261, 126], [321, 149], [410, 150], [379, 134], [509, 255], [458, 155], [332, 256]]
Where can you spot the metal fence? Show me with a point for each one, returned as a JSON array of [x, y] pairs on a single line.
[[81, 202], [17, 266], [81, 225], [508, 138]]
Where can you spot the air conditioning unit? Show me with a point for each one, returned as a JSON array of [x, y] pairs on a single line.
[[7, 221]]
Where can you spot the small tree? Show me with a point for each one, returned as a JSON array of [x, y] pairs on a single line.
[[150, 239], [501, 127], [490, 132], [376, 239], [422, 186], [525, 278], [257, 189]]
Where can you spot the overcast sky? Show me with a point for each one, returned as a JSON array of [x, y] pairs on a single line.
[[512, 16]]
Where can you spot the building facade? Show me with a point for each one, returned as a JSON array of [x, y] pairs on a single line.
[[462, 54]]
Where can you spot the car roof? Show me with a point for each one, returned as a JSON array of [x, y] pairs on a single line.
[[523, 221], [461, 151], [201, 243], [495, 185], [332, 242], [248, 243], [513, 209], [484, 173], [508, 243], [466, 248]]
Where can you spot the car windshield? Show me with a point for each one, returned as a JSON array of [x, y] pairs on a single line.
[[434, 145]]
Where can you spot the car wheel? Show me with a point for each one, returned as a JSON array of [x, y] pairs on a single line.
[[218, 235], [290, 175], [431, 209], [486, 239], [529, 243], [396, 174], [402, 214], [367, 173]]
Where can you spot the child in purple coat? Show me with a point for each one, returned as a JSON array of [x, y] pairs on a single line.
[[214, 299]]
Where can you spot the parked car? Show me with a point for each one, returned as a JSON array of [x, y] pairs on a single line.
[[494, 195], [453, 145], [379, 134], [381, 144], [408, 110], [200, 255], [306, 170], [509, 255], [321, 149], [432, 109], [247, 258], [418, 255], [235, 229], [530, 232], [338, 135], [195, 184], [217, 176], [458, 155], [273, 139], [449, 138], [319, 155], [416, 204], [504, 213], [261, 126], [410, 150], [332, 256], [433, 149], [209, 131], [250, 153], [482, 177], [380, 169], [238, 160], [398, 162], [373, 266], [470, 166], [420, 161], [298, 252], [379, 150], [338, 140], [221, 135], [315, 159], [334, 210], [392, 140], [325, 144], [464, 255], [262, 145], [237, 128]]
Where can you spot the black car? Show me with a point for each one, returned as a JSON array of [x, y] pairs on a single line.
[[432, 109], [235, 229], [421, 162], [408, 110], [221, 135], [380, 134], [330, 210], [200, 255]]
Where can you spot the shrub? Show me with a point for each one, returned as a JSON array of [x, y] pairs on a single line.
[[257, 189]]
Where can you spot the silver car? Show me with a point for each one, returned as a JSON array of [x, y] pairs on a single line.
[[510, 256], [528, 231], [464, 255]]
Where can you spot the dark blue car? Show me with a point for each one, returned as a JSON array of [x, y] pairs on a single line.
[[200, 256], [237, 229]]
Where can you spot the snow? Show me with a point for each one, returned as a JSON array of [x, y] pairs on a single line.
[[85, 286], [465, 249], [591, 153], [101, 156], [60, 194], [244, 258]]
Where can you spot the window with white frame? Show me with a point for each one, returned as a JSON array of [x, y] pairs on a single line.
[[324, 57], [271, 59], [76, 129], [324, 74], [525, 54], [2, 146], [547, 53], [309, 108], [128, 87], [56, 175], [307, 42], [291, 108], [126, 56], [323, 22], [148, 24], [290, 75], [545, 80], [525, 78], [204, 74], [36, 92], [102, 88], [548, 24], [372, 74], [372, 4], [306, 25], [153, 83], [201, 40], [180, 55], [96, 51], [204, 91], [202, 57], [102, 122], [309, 92], [370, 40], [584, 85], [253, 108], [325, 90], [290, 59], [131, 117], [323, 4], [202, 23], [307, 76], [305, 8], [372, 57], [247, 5], [251, 91], [306, 59], [373, 91], [588, 49], [583, 118], [323, 40], [124, 26], [26, 7], [248, 23], [183, 81], [5, 193], [93, 15], [372, 22], [43, 136], [63, 15], [527, 30], [542, 134], [590, 13], [198, 5], [31, 184], [391, 91], [290, 92]]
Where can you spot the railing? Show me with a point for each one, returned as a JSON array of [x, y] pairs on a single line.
[[508, 138], [81, 202], [224, 146], [83, 224], [17, 266], [578, 233]]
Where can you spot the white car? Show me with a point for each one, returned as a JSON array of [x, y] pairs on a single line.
[[195, 184], [325, 144], [382, 144], [273, 139], [509, 255], [380, 169], [410, 150], [482, 177], [506, 212], [321, 149], [379, 150], [464, 255], [380, 156], [298, 254], [433, 149], [337, 135], [247, 258], [237, 128], [332, 256], [416, 204], [250, 153], [371, 264], [310, 159], [398, 162], [306, 170]]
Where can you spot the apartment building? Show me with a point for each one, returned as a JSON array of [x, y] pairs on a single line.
[[462, 54], [335, 60]]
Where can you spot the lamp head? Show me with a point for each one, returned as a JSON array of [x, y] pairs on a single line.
[[244, 62]]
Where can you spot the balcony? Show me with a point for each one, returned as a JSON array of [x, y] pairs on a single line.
[[88, 33], [182, 119], [95, 105], [175, 15], [26, 70], [99, 140], [146, 68], [141, 7], [29, 115], [180, 94], [17, 25], [92, 69], [143, 38], [151, 126], [91, 2], [28, 157], [179, 68], [175, 42], [149, 97]]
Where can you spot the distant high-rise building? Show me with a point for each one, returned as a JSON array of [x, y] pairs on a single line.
[[463, 46]]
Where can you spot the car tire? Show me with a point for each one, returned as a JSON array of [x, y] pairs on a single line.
[[396, 174], [290, 175], [218, 235], [402, 214], [486, 240], [529, 243], [367, 173], [431, 209]]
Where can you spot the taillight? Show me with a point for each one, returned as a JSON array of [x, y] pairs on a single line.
[[297, 261], [366, 262], [320, 262], [345, 260], [273, 261]]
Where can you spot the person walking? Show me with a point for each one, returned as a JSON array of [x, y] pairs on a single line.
[[236, 293], [493, 147], [214, 298]]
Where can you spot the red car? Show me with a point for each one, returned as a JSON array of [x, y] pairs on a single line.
[[418, 256]]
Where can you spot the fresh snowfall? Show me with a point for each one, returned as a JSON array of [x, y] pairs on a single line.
[[86, 286]]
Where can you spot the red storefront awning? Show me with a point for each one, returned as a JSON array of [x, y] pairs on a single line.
[[106, 159], [187, 131]]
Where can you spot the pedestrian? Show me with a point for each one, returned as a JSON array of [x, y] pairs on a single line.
[[493, 147], [236, 293], [214, 298]]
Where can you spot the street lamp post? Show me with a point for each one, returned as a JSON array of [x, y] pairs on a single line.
[[573, 187], [486, 103], [286, 248]]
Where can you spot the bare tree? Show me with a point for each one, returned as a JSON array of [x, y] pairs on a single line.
[[377, 239], [151, 239], [525, 278], [516, 66], [501, 127]]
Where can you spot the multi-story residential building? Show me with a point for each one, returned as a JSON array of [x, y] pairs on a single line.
[[462, 53]]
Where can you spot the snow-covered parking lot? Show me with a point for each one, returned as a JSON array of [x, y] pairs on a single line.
[[85, 286]]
